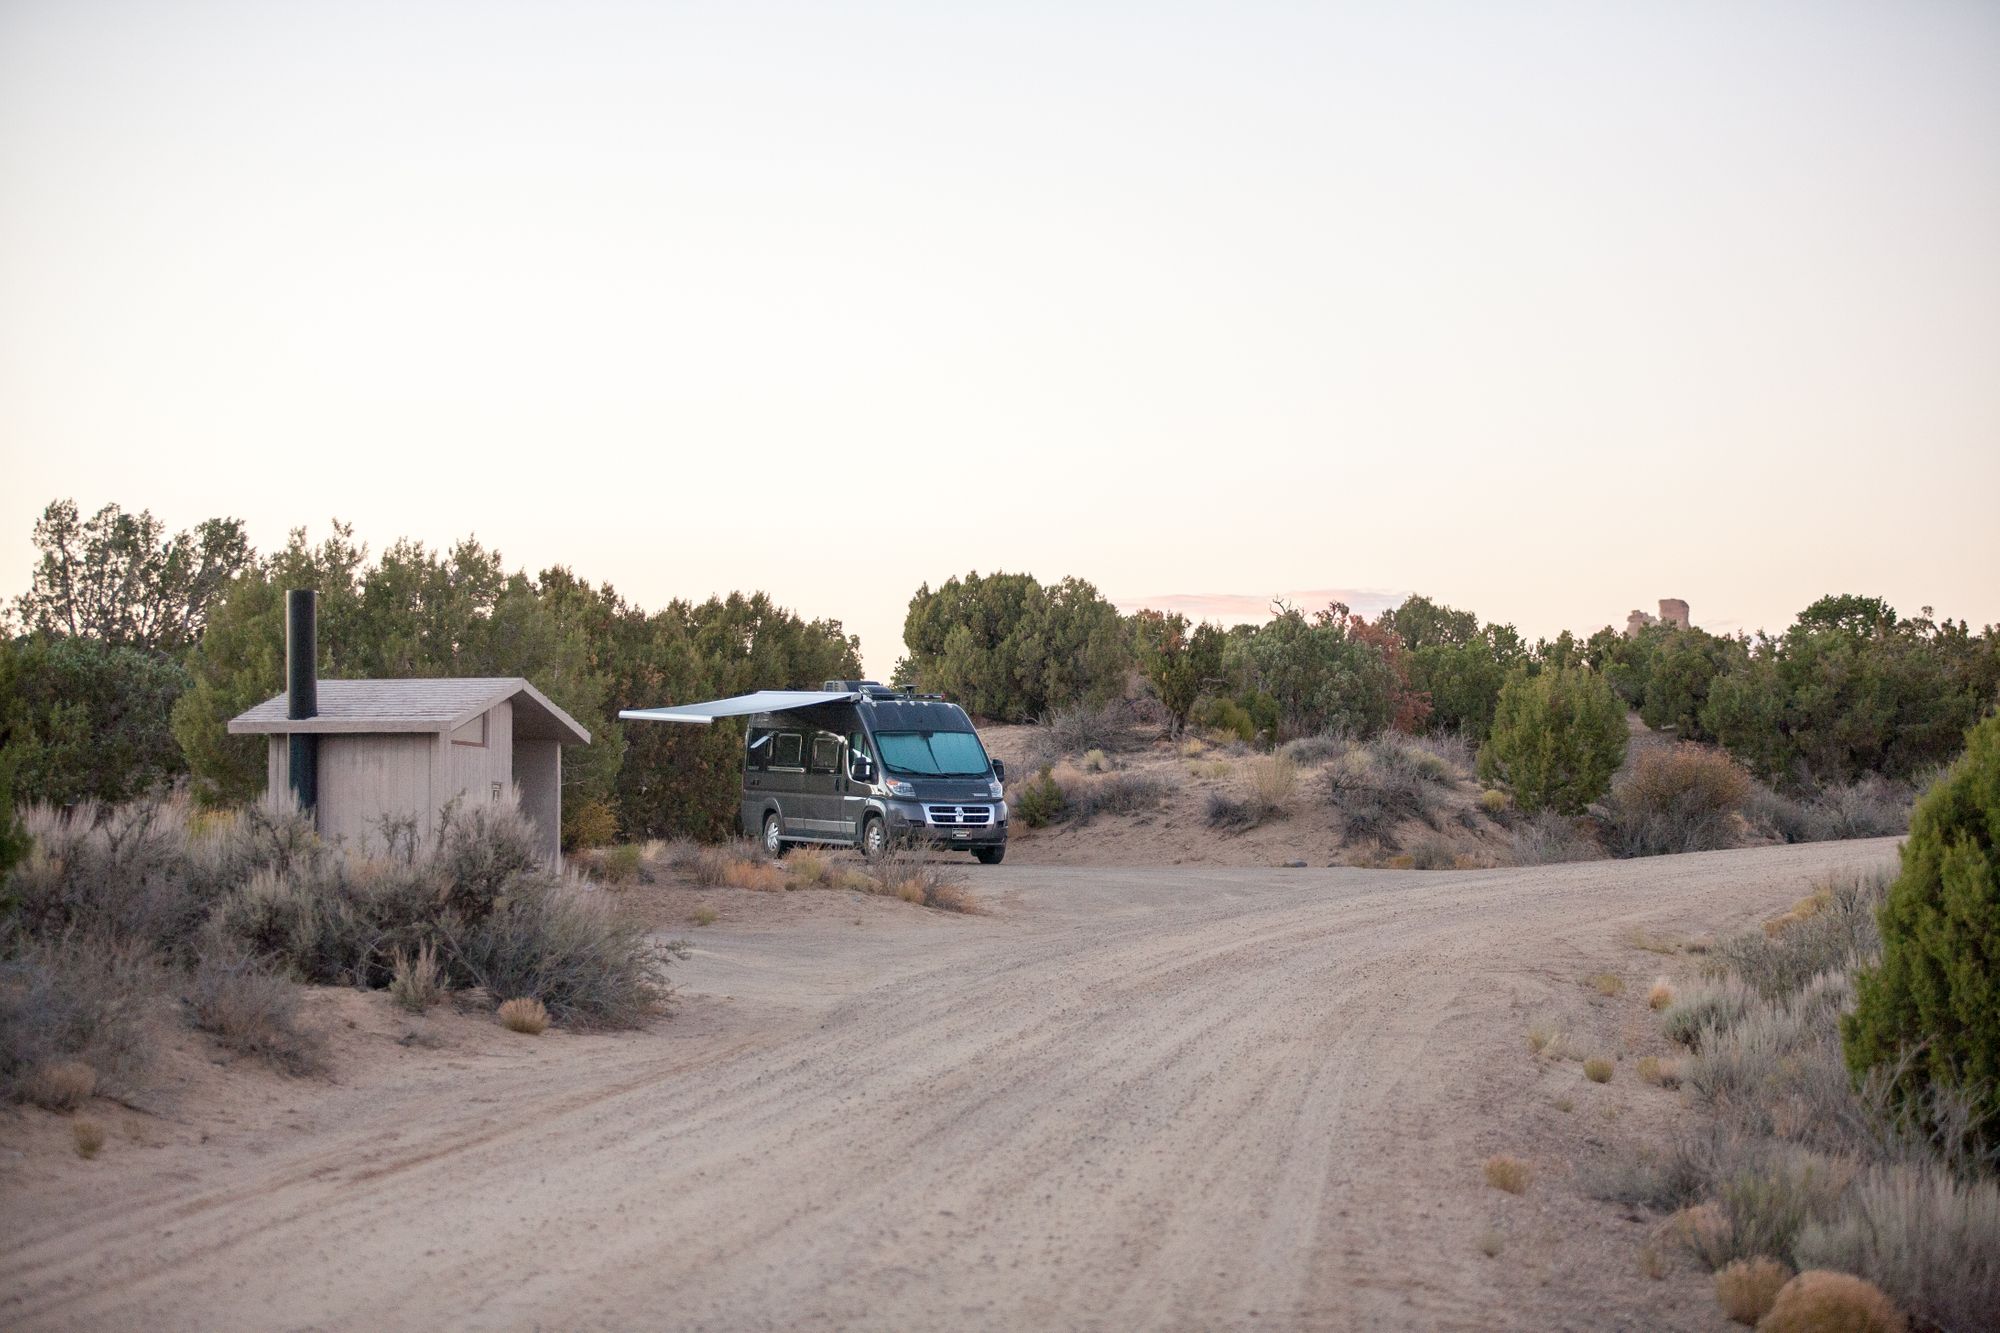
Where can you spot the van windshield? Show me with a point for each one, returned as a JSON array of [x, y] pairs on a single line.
[[936, 754]]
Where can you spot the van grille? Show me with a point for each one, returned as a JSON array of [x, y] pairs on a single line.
[[959, 816]]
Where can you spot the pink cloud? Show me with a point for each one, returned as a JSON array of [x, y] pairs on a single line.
[[1234, 607]]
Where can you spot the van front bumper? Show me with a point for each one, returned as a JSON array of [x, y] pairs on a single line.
[[935, 822]]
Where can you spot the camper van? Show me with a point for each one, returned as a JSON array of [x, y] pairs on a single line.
[[856, 763], [881, 768]]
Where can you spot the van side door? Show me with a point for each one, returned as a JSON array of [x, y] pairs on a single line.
[[785, 781], [825, 777], [862, 774]]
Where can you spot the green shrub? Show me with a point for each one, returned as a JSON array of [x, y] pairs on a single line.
[[1178, 663], [622, 864], [1040, 800], [1557, 739], [1936, 993], [86, 720], [1221, 714], [1007, 646], [592, 823]]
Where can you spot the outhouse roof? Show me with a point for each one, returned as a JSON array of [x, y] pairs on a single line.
[[361, 707]]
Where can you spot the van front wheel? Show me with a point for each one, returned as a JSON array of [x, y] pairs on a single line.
[[989, 856], [874, 838], [773, 842]]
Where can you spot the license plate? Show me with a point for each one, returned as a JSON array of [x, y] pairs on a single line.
[[961, 834]]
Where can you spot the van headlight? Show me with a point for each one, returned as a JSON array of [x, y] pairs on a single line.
[[993, 789], [899, 788]]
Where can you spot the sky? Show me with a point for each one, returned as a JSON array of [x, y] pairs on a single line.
[[1547, 311]]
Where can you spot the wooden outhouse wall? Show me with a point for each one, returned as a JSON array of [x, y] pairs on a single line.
[[367, 777], [364, 780], [476, 762]]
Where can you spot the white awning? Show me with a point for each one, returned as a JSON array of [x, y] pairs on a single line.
[[740, 705]]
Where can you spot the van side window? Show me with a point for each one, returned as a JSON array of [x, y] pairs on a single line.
[[787, 749], [757, 749], [826, 754], [857, 750]]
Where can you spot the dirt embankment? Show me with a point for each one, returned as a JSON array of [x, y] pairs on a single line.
[[1172, 1098], [1173, 827]]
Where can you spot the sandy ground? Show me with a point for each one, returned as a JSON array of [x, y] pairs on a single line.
[[1175, 830], [1163, 1098]]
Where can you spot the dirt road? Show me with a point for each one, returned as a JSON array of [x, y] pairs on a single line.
[[1160, 1098]]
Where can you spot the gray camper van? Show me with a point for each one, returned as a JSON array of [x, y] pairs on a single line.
[[858, 763]]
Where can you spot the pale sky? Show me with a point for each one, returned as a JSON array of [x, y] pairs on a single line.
[[1548, 311]]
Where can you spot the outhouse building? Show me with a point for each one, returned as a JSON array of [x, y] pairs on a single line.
[[387, 749]]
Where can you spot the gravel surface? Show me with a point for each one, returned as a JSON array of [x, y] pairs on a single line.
[[1123, 1098]]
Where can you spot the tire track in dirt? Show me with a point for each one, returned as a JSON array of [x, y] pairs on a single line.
[[1209, 1098]]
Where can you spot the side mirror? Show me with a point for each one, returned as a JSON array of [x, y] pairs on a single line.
[[864, 769], [999, 770]]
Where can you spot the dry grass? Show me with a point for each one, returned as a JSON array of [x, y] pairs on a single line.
[[710, 865], [1274, 780], [1095, 761], [78, 1000], [922, 882], [1316, 751], [1549, 1040], [623, 864], [809, 869], [1818, 1301], [1703, 1230], [1652, 1264], [526, 1016], [1748, 1288], [1660, 1073], [1638, 937], [756, 876], [1699, 1014], [1509, 1173], [1547, 838], [1608, 983], [1686, 799], [1374, 790], [1492, 1241], [87, 1136], [704, 915], [1598, 1069], [1210, 770], [251, 1012], [60, 1087], [1661, 995], [1927, 1239], [418, 981], [1121, 793]]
